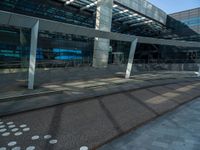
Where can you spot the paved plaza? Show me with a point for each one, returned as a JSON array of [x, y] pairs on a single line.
[[92, 122], [78, 84], [177, 130]]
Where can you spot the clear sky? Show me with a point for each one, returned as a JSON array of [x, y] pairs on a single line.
[[171, 6]]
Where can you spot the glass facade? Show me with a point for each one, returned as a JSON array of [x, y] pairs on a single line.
[[61, 50], [48, 10], [52, 48], [14, 46], [185, 26], [190, 18], [195, 21]]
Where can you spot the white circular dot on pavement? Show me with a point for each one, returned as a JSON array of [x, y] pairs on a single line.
[[2, 148], [23, 126], [16, 148], [6, 134], [15, 129], [9, 123], [30, 148], [26, 129], [18, 133], [83, 148], [12, 143], [11, 126], [3, 130], [36, 137], [47, 136], [53, 141], [2, 126]]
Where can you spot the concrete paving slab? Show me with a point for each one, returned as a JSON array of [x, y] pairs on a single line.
[[126, 112], [156, 102], [173, 86], [91, 122], [73, 125], [75, 91], [161, 89], [177, 130], [183, 96], [190, 89]]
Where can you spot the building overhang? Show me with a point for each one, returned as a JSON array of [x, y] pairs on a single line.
[[18, 20]]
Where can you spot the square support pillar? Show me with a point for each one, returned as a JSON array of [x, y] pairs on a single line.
[[103, 23], [198, 73], [130, 59], [32, 61]]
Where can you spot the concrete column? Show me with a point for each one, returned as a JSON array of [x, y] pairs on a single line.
[[199, 70], [32, 61], [130, 59], [103, 23]]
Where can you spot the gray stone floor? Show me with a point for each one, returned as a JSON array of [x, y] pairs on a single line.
[[95, 121], [177, 130]]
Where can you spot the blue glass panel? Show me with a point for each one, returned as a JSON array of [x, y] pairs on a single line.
[[68, 57], [58, 50], [195, 21]]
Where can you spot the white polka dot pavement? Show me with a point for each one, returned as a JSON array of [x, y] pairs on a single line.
[[18, 133], [2, 126], [6, 134], [30, 148], [26, 129], [47, 136], [8, 129], [11, 126], [16, 148], [36, 137], [84, 148], [12, 143], [10, 123], [14, 130], [53, 141], [3, 130], [23, 126]]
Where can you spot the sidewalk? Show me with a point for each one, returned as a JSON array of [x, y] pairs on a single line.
[[73, 82], [86, 85], [17, 82]]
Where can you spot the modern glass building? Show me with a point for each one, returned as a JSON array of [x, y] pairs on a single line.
[[191, 18], [184, 25], [131, 17]]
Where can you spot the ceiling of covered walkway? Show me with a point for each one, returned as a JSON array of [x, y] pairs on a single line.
[[145, 19], [139, 15]]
